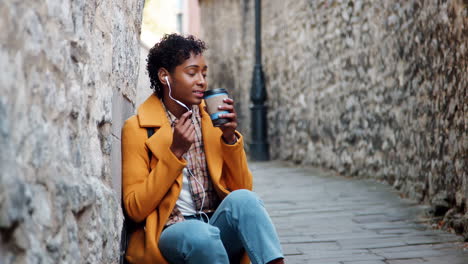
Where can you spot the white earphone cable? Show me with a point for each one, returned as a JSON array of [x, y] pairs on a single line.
[[200, 212], [170, 95]]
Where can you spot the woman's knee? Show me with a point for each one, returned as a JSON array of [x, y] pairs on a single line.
[[193, 234], [203, 236], [244, 198], [192, 240]]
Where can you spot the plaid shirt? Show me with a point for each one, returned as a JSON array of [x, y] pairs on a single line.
[[196, 163]]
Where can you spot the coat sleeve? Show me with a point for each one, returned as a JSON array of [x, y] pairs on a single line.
[[144, 188], [236, 173]]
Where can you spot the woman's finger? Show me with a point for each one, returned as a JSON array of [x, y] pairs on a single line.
[[228, 101], [184, 122], [192, 136], [186, 129], [185, 117], [229, 108], [229, 115]]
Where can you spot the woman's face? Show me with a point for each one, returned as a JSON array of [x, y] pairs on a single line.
[[188, 81]]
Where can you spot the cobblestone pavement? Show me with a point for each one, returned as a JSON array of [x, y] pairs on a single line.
[[327, 219]]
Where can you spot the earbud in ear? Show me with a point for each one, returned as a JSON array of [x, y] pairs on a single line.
[[167, 80]]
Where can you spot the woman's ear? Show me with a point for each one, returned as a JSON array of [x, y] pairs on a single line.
[[162, 74]]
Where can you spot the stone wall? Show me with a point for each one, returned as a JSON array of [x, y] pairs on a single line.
[[68, 76], [367, 88]]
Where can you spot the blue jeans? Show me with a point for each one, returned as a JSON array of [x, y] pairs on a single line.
[[240, 223]]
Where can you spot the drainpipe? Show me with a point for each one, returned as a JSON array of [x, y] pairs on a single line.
[[259, 146]]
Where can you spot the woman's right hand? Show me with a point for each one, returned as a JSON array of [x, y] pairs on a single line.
[[184, 135]]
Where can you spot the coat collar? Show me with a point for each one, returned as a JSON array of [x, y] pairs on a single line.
[[151, 112]]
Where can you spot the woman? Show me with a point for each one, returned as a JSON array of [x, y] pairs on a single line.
[[188, 184]]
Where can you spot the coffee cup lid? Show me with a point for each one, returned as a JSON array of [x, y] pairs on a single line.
[[214, 91]]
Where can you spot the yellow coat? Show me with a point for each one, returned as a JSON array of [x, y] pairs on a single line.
[[150, 191]]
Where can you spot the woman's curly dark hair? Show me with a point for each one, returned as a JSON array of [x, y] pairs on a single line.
[[170, 52]]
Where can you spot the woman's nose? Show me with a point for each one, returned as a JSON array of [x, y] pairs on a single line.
[[201, 80]]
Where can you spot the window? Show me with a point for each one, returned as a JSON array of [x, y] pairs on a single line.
[[180, 23]]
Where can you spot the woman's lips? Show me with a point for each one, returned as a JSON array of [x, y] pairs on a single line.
[[198, 94]]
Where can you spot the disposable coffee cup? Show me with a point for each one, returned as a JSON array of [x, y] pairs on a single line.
[[213, 99]]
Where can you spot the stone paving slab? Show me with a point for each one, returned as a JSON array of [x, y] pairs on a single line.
[[328, 219]]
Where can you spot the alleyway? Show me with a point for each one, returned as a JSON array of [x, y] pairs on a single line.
[[327, 219]]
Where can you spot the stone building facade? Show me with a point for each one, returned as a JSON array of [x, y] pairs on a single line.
[[68, 79], [367, 88]]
